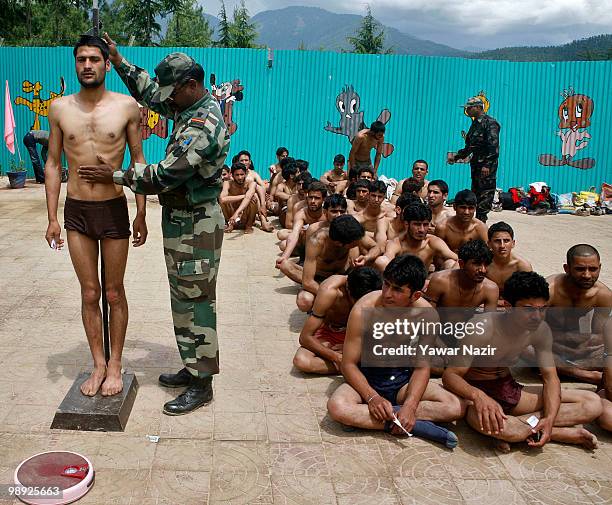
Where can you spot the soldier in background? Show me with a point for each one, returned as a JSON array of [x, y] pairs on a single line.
[[482, 142], [188, 182], [30, 140]]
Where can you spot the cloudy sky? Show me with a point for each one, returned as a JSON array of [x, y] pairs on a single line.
[[469, 24]]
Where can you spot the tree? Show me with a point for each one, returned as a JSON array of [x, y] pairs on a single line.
[[370, 37], [244, 32], [142, 18], [225, 29], [188, 27]]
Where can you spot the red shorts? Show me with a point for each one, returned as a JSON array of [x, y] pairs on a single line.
[[330, 335], [505, 391]]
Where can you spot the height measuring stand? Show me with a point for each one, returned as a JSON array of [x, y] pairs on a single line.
[[97, 413]]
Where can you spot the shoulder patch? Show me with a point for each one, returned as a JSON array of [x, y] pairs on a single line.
[[197, 122]]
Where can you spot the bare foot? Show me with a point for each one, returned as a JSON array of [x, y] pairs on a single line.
[[575, 435], [248, 230], [229, 228], [502, 446], [90, 386], [113, 383], [265, 226]]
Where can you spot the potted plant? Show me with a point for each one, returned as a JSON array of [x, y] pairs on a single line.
[[17, 174]]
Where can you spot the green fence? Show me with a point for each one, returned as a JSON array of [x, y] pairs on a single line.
[[555, 117]]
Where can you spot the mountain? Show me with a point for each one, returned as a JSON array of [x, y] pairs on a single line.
[[598, 47], [315, 28]]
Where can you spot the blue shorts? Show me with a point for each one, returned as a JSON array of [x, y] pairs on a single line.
[[387, 381]]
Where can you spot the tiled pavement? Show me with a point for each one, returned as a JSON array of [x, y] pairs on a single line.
[[266, 438]]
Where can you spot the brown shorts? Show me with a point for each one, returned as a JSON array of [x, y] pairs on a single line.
[[98, 219], [505, 391]]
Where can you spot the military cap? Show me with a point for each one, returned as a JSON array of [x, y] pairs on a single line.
[[171, 71], [473, 102]]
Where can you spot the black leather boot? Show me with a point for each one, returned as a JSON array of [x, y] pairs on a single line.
[[198, 394], [176, 380]]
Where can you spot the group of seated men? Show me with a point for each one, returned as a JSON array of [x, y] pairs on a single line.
[[352, 250]]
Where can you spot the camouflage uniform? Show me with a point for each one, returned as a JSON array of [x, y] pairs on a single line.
[[482, 141], [188, 181]]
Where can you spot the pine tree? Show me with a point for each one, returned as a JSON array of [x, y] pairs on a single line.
[[225, 29], [370, 37], [142, 18], [188, 27], [244, 32]]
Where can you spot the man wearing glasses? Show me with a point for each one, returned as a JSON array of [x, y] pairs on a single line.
[[188, 181]]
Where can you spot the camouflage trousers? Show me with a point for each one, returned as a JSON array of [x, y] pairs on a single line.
[[192, 248], [484, 188]]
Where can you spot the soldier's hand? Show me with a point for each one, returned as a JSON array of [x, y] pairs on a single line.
[[114, 55], [484, 171]]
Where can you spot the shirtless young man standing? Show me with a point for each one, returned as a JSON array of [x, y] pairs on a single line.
[[83, 125], [323, 333], [505, 262], [331, 250], [238, 200], [581, 292], [336, 178], [371, 395], [463, 226], [500, 406], [420, 168], [437, 193], [416, 241], [468, 286], [363, 143]]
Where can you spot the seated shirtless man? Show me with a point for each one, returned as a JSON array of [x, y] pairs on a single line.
[[92, 121], [420, 168], [244, 157], [580, 289], [323, 333], [373, 217], [275, 169], [363, 143], [331, 250], [336, 178], [468, 285], [500, 407], [415, 240], [371, 395], [238, 200], [282, 192], [396, 226], [311, 213], [296, 202], [605, 388], [362, 190], [463, 226], [505, 262], [437, 193], [333, 206]]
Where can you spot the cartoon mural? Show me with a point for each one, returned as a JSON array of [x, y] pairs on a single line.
[[152, 123], [226, 94], [37, 105], [574, 117], [348, 103]]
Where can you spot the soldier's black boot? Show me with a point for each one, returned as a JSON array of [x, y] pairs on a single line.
[[198, 394], [176, 380]]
